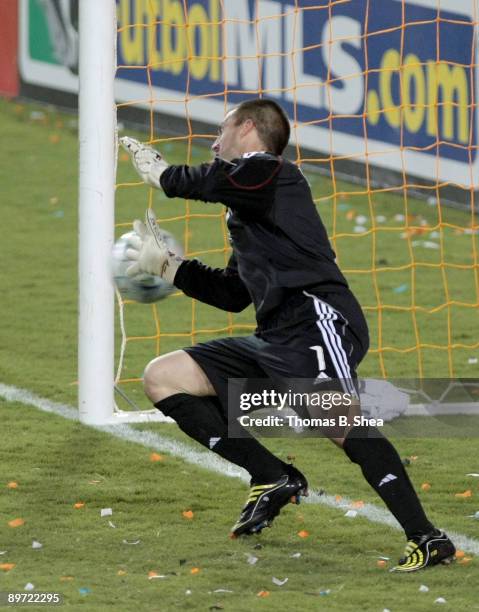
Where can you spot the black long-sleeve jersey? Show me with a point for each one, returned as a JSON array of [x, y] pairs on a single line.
[[279, 242]]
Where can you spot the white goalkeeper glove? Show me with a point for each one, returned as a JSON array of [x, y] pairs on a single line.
[[148, 162], [149, 253]]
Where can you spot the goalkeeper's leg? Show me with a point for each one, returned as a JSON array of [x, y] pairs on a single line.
[[178, 387]]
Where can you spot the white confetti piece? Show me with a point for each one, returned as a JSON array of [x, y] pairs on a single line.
[[279, 582], [434, 234], [380, 219], [295, 556], [473, 474], [423, 588], [188, 592], [361, 219], [3, 552], [37, 115], [112, 525], [432, 201], [106, 512], [384, 558], [351, 513], [29, 587], [251, 559], [472, 360], [359, 229], [399, 217], [153, 576], [223, 591], [37, 545], [132, 542], [440, 600]]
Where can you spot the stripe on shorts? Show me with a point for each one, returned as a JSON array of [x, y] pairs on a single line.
[[332, 341]]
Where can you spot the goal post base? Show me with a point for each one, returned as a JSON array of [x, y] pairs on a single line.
[[138, 416]]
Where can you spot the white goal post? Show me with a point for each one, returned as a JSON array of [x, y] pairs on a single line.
[[97, 168]]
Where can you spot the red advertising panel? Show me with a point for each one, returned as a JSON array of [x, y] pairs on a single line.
[[9, 82]]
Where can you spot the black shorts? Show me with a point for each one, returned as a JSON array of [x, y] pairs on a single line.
[[313, 336]]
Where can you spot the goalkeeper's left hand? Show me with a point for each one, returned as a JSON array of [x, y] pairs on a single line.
[[149, 253], [148, 162]]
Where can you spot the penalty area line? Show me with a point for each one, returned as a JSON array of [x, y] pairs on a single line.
[[207, 460]]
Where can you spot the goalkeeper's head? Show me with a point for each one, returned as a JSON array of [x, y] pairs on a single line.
[[254, 125]]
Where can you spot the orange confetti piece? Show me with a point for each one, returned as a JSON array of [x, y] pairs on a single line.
[[263, 594], [357, 504], [6, 567], [124, 157], [66, 578], [303, 533], [467, 493], [350, 214], [338, 498], [195, 570], [79, 505], [464, 560], [156, 457], [188, 514], [18, 522], [460, 554], [152, 574], [12, 485], [413, 457], [425, 486], [381, 563], [54, 138]]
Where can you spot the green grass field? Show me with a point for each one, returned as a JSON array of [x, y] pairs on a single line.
[[58, 463]]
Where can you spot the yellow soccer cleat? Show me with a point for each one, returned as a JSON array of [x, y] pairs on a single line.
[[426, 550], [265, 501]]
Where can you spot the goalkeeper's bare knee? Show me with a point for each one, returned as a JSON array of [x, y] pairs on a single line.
[[175, 373]]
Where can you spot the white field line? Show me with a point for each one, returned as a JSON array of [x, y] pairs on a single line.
[[208, 460]]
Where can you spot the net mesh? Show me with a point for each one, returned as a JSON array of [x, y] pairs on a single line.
[[410, 257]]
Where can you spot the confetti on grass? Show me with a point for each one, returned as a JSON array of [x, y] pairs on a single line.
[[18, 522], [12, 485], [251, 559], [303, 533], [279, 582], [188, 514], [464, 495], [6, 567], [155, 457]]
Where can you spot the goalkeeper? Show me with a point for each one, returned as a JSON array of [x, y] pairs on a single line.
[[309, 324]]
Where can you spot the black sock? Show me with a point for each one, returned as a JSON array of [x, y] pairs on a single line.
[[202, 419], [383, 469]]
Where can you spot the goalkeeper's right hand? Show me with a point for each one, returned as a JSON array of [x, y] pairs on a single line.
[[149, 253], [148, 162]]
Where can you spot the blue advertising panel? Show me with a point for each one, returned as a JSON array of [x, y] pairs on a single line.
[[390, 83]]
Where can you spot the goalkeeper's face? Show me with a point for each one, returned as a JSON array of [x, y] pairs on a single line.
[[228, 142]]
